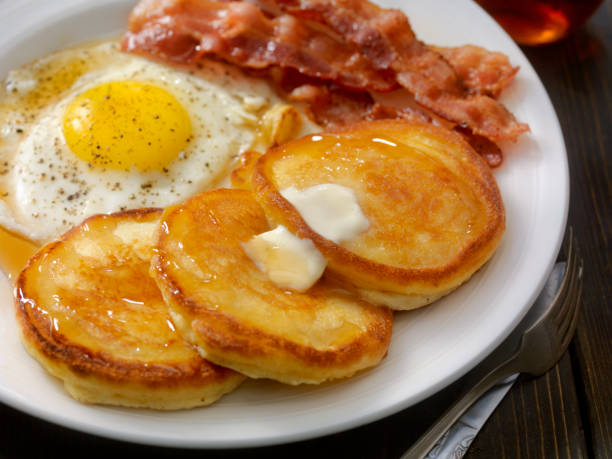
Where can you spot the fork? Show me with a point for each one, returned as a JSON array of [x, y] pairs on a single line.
[[540, 348]]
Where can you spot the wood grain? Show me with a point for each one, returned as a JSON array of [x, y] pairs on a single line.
[[575, 398], [577, 73], [540, 417]]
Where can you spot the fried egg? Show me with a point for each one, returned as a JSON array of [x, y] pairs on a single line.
[[93, 130]]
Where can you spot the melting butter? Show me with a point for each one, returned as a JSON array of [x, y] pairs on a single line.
[[329, 209], [288, 261]]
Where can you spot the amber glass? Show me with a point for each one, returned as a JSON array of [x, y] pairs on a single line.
[[536, 22]]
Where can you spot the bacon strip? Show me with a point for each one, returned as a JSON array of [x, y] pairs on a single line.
[[336, 108], [352, 43], [482, 71], [185, 30], [385, 37], [491, 153]]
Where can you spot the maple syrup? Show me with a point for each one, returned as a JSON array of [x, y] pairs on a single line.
[[14, 253], [536, 22]]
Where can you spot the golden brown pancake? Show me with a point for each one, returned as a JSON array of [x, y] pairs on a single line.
[[91, 315], [223, 303], [434, 208]]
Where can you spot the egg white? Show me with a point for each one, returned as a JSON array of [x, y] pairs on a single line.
[[45, 189]]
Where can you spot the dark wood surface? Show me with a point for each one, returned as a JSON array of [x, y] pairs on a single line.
[[565, 413], [568, 412]]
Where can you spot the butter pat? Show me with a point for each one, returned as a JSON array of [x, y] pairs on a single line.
[[288, 261], [329, 209]]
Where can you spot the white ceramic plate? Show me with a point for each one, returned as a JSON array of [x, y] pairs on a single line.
[[430, 348]]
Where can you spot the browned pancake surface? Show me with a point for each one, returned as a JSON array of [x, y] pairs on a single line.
[[435, 211], [92, 315], [223, 303]]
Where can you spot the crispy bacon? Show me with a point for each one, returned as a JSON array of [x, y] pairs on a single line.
[[338, 53], [185, 30], [386, 38], [491, 153], [337, 108], [482, 71]]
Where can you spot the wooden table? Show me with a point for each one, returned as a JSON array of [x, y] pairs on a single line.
[[565, 413]]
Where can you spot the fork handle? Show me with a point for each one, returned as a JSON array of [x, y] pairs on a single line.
[[429, 439]]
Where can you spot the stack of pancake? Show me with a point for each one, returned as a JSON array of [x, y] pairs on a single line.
[[165, 310]]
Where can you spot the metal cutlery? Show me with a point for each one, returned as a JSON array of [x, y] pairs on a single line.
[[541, 346]]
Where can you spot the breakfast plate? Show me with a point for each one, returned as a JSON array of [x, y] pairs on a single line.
[[431, 347]]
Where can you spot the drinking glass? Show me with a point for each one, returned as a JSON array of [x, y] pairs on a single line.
[[537, 22]]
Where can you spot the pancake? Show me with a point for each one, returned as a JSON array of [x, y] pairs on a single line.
[[91, 315], [223, 303], [434, 209]]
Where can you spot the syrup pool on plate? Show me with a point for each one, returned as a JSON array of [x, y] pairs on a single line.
[[14, 253]]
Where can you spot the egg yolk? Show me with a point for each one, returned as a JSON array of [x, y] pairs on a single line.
[[125, 124]]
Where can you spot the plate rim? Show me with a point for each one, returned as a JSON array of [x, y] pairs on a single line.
[[20, 403]]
